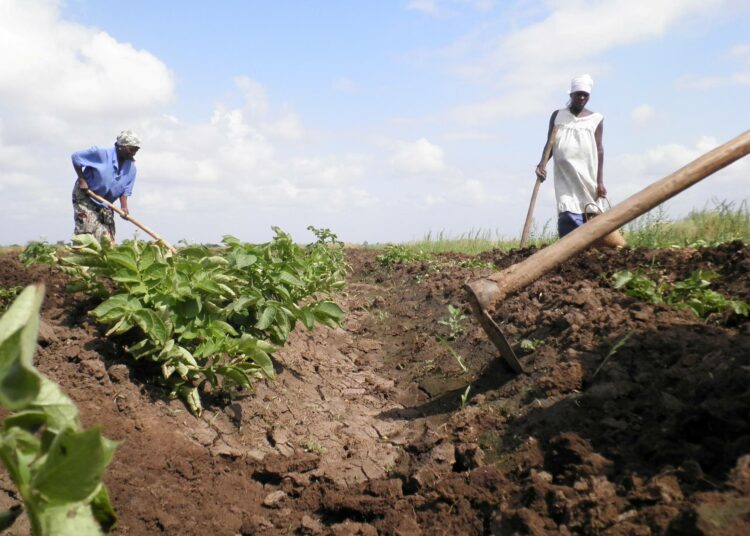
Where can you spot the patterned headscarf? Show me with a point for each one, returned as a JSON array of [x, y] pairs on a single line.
[[583, 82], [128, 138]]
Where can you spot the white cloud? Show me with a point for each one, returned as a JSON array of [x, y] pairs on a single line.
[[447, 8], [529, 66], [643, 115], [425, 6], [418, 157], [636, 171], [73, 71], [460, 192], [740, 77]]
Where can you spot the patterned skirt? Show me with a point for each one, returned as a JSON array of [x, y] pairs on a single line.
[[91, 218]]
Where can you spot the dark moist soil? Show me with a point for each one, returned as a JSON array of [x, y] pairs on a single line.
[[365, 431]]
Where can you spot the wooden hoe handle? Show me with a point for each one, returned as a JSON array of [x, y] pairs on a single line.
[[546, 155], [530, 214], [132, 220]]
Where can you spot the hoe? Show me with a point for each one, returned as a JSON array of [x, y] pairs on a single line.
[[485, 293], [132, 220]]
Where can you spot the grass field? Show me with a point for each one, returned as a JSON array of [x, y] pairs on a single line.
[[724, 222]]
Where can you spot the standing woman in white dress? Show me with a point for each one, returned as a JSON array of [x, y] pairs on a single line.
[[575, 135]]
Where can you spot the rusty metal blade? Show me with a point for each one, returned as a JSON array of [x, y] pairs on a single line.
[[497, 336]]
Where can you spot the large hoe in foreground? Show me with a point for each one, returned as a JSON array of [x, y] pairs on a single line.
[[486, 292]]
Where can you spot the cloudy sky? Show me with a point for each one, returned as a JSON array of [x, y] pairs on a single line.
[[382, 120]]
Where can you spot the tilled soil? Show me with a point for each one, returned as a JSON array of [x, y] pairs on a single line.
[[369, 429]]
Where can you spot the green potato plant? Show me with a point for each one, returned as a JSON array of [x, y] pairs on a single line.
[[693, 293], [56, 466], [38, 252], [210, 316]]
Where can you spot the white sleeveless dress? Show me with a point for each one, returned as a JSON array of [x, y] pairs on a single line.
[[575, 160]]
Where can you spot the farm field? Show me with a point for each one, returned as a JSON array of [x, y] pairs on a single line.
[[634, 417]]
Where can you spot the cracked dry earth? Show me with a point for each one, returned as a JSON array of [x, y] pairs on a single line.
[[365, 431]]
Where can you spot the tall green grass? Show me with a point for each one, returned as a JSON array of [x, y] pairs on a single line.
[[479, 240], [723, 222]]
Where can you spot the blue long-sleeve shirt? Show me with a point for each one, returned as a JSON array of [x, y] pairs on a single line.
[[103, 174]]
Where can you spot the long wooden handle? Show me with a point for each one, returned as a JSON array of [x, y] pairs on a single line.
[[132, 220], [530, 214], [490, 290], [546, 155]]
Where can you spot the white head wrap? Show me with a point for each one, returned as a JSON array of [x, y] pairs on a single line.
[[581, 83], [128, 138]]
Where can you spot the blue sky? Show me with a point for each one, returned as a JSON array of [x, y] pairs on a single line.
[[382, 120]]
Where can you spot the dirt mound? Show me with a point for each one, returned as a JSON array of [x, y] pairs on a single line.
[[370, 429]]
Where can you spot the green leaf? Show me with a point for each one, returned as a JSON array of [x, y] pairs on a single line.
[[167, 370], [188, 308], [74, 465], [267, 317], [124, 260], [193, 399], [328, 313], [113, 308], [223, 327], [76, 519], [122, 326], [141, 349], [102, 509], [622, 278], [19, 381], [243, 260], [208, 286], [87, 241], [263, 360], [29, 420], [214, 262], [152, 325], [236, 375], [287, 277], [60, 410]]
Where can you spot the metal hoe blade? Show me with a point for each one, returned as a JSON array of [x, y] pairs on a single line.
[[496, 335]]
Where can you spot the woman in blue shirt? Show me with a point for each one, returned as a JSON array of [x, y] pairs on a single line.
[[108, 172]]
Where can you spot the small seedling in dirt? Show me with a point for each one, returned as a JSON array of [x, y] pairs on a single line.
[[615, 348], [530, 345], [456, 355], [465, 397], [313, 446], [380, 316], [454, 322]]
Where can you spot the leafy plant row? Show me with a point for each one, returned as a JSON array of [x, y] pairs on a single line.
[[693, 293], [56, 466], [210, 315]]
